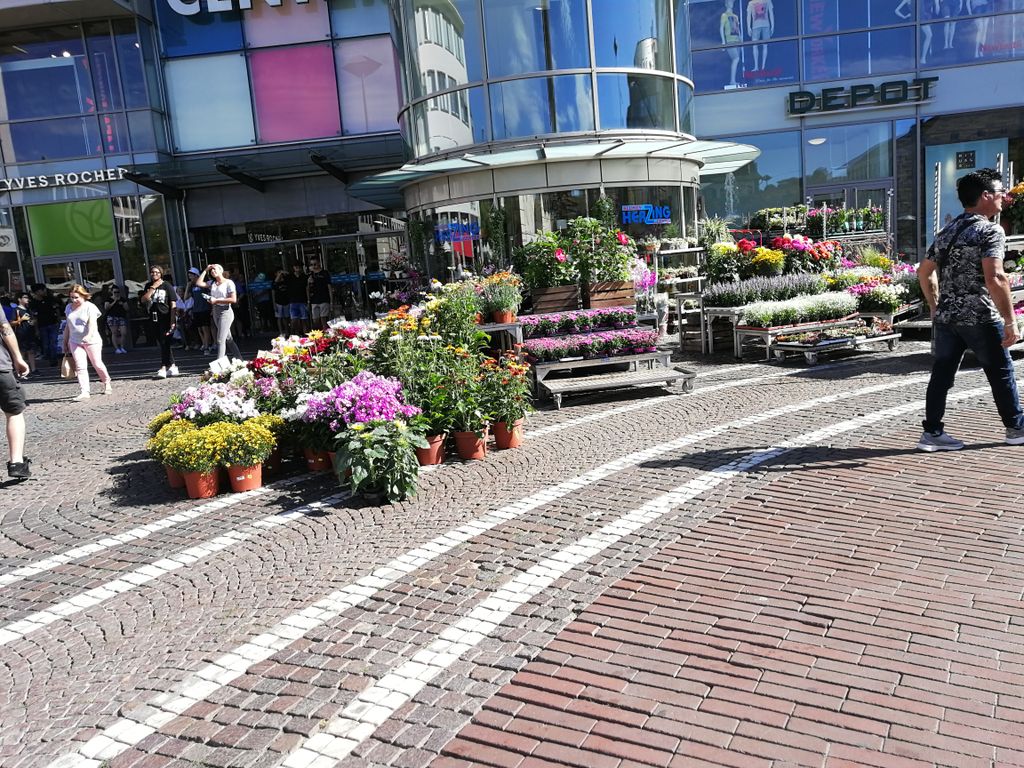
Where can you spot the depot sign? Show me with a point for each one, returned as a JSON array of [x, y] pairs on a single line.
[[862, 95], [62, 179], [192, 7]]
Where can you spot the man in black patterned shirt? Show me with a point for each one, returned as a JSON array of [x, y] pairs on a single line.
[[969, 294]]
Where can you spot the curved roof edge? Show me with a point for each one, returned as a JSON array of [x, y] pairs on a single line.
[[713, 157]]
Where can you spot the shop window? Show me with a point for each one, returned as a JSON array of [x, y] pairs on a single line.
[[60, 139], [685, 108], [359, 18], [287, 113], [368, 85], [837, 15], [145, 131], [129, 61], [535, 35], [289, 23], [636, 35], [970, 41], [154, 228], [636, 101], [128, 230], [848, 153], [860, 54], [199, 33], [208, 97], [84, 226], [114, 133], [45, 74], [746, 66], [542, 105], [718, 23], [773, 180]]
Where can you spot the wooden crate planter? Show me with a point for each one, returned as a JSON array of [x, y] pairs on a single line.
[[611, 293], [559, 298]]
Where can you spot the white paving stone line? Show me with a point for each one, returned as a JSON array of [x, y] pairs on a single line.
[[154, 570], [376, 704], [126, 732], [135, 534]]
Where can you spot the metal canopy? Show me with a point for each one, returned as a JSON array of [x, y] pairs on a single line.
[[714, 157]]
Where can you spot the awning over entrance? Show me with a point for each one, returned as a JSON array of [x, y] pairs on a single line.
[[385, 189], [346, 160], [26, 13]]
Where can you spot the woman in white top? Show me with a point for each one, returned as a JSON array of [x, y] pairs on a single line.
[[222, 298], [82, 339]]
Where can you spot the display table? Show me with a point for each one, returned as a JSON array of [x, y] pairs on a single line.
[[510, 333], [657, 369], [768, 335], [812, 351]]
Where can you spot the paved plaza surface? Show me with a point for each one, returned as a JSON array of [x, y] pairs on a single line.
[[760, 573]]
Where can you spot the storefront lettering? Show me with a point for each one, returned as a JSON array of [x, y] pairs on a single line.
[[457, 233], [862, 95], [192, 7], [646, 214], [62, 179]]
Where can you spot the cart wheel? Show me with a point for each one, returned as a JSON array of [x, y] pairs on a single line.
[[687, 385], [779, 354], [892, 345], [811, 358], [558, 401]]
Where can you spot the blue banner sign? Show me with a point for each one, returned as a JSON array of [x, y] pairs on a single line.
[[646, 214], [345, 278], [457, 233]]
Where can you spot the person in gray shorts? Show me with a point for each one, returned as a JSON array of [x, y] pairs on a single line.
[[12, 401]]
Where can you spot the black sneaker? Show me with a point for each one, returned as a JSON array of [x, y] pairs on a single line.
[[19, 470]]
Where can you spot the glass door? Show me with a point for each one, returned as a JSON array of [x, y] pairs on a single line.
[[97, 273]]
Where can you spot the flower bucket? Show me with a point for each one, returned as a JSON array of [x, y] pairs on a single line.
[[245, 478], [317, 461], [273, 462], [202, 485], [470, 447], [174, 477], [505, 438], [503, 316], [434, 454]]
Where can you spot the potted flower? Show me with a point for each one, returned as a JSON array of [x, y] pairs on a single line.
[[1012, 217], [424, 366], [501, 296], [157, 445], [395, 264], [280, 432], [246, 447], [196, 453], [378, 458], [604, 257], [469, 417], [314, 425], [549, 272], [507, 393]]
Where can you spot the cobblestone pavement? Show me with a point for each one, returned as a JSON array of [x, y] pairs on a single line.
[[762, 572]]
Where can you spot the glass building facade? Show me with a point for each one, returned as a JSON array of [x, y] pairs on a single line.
[[748, 57]]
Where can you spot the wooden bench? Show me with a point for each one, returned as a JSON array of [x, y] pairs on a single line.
[[658, 369]]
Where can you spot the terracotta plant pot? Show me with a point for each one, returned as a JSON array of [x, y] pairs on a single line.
[[434, 454], [174, 477], [505, 438], [470, 447], [317, 461], [245, 478], [503, 316], [202, 485]]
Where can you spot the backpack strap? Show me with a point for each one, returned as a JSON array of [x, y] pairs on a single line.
[[940, 256]]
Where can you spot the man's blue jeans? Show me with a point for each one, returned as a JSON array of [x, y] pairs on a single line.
[[986, 341], [48, 342]]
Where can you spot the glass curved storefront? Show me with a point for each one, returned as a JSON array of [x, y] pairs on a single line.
[[632, 78]]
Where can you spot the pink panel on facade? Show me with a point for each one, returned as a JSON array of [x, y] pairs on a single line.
[[289, 23], [296, 94], [368, 75]]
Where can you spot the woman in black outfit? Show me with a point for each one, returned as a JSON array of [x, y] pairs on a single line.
[[116, 310]]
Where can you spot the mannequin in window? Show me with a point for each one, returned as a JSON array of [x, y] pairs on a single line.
[[930, 10], [761, 26], [978, 8], [729, 31], [950, 10]]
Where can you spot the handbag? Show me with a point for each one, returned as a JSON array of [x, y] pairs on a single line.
[[67, 367]]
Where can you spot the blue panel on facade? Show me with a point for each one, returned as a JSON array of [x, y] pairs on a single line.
[[199, 33]]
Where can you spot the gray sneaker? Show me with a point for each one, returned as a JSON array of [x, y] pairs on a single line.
[[940, 441], [1015, 437]]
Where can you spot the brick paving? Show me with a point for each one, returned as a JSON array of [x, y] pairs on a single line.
[[848, 602]]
